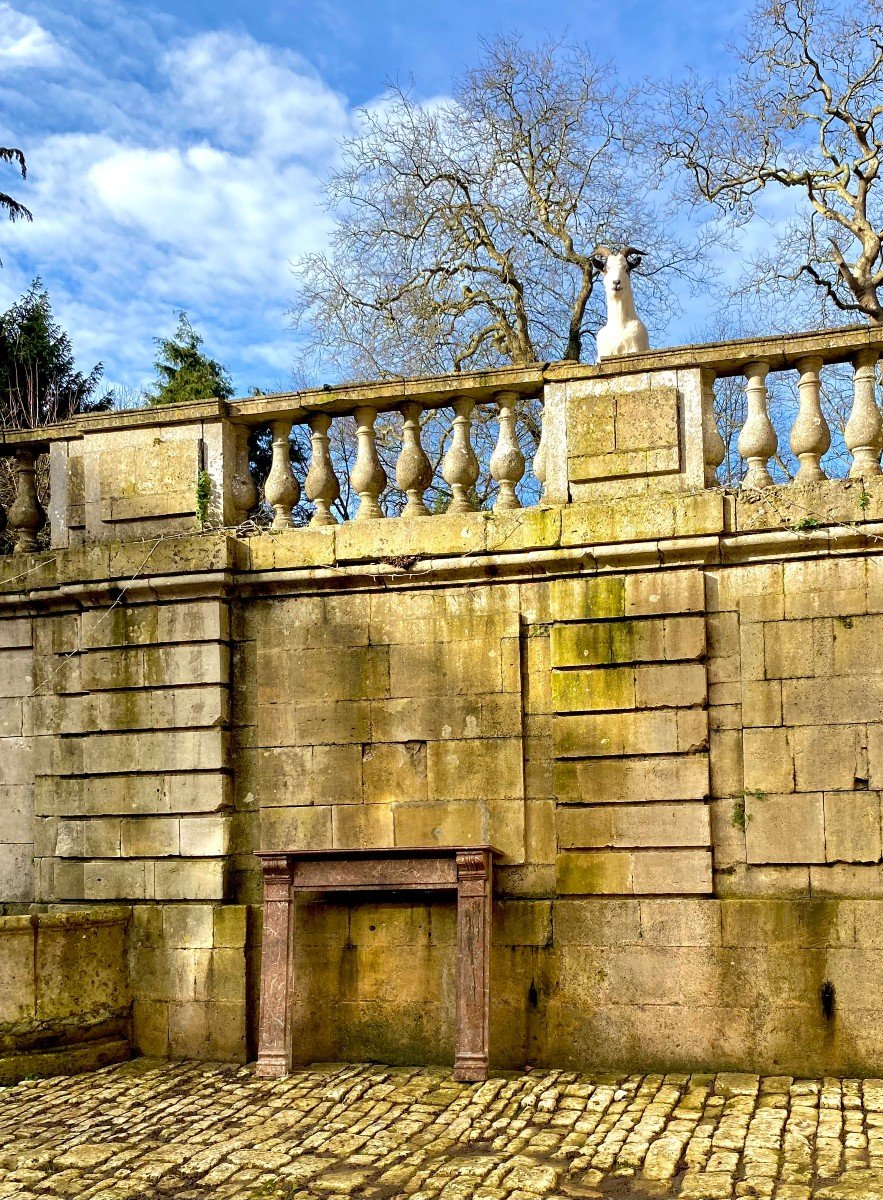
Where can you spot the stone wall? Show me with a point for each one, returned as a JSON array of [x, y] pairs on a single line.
[[65, 997], [83, 988], [656, 983], [129, 740], [190, 981], [16, 762], [663, 708]]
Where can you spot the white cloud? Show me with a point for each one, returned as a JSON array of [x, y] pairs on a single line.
[[254, 99], [24, 42], [197, 194]]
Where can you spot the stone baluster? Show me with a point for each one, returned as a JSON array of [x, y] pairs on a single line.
[[368, 477], [757, 441], [810, 436], [539, 458], [714, 448], [281, 489], [864, 429], [243, 492], [413, 469], [507, 461], [460, 465], [26, 516], [321, 485]]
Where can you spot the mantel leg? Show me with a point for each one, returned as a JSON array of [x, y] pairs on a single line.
[[274, 1038], [474, 869]]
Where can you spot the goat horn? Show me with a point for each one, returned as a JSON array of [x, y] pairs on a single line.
[[601, 252], [631, 250]]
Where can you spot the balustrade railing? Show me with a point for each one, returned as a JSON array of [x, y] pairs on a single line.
[[118, 476], [410, 470], [803, 357]]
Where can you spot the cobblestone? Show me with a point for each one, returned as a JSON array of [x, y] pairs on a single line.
[[170, 1131]]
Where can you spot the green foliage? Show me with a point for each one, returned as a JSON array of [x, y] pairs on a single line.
[[13, 208], [203, 495], [805, 523], [183, 372], [740, 817], [864, 500], [39, 382]]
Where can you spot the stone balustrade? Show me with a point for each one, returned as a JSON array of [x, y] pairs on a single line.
[[641, 422], [368, 479]]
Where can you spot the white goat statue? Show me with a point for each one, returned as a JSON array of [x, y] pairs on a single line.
[[625, 332]]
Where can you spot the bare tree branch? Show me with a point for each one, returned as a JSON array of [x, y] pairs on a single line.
[[802, 112], [465, 228]]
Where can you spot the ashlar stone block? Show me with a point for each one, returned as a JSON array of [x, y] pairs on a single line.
[[148, 837], [15, 633], [837, 700], [357, 826], [835, 587], [438, 669], [297, 724], [854, 643], [769, 761], [761, 701], [18, 998], [603, 872], [303, 775], [16, 672], [601, 689], [296, 828], [189, 926], [204, 836], [664, 592], [829, 758], [394, 772], [799, 649], [624, 780], [672, 872], [671, 685], [587, 598], [634, 825], [454, 823], [603, 643], [189, 879], [785, 828], [610, 734], [116, 879], [852, 827], [321, 674], [475, 769]]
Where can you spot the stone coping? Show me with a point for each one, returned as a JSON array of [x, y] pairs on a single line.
[[81, 918], [702, 528]]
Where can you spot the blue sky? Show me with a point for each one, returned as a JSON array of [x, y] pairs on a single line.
[[176, 150]]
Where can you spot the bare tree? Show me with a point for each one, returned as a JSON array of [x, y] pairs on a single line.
[[803, 112], [465, 227]]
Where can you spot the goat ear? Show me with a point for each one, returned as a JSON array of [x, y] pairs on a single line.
[[599, 257]]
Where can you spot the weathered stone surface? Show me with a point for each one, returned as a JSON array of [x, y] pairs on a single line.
[[626, 779], [334, 1131], [627, 825]]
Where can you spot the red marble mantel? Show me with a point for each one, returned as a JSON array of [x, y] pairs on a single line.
[[467, 870]]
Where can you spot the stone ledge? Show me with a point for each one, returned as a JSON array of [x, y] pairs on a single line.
[[66, 1060]]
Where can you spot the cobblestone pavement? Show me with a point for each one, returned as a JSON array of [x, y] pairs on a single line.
[[193, 1131]]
